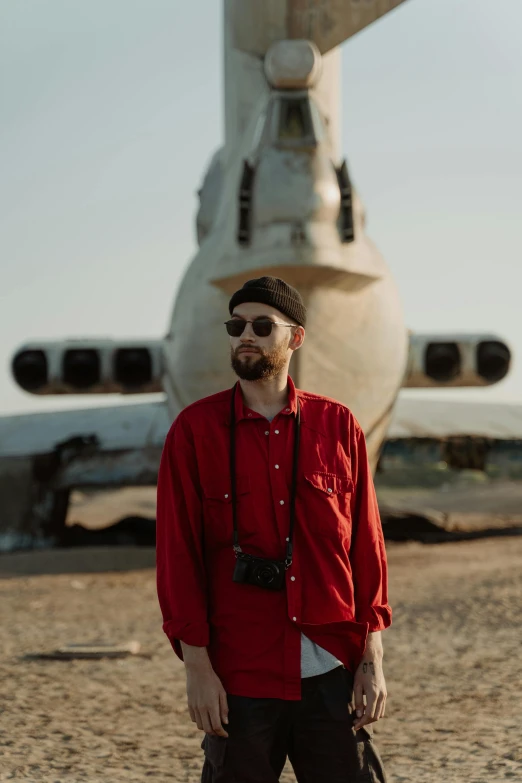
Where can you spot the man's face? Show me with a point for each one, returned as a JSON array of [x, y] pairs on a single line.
[[256, 358]]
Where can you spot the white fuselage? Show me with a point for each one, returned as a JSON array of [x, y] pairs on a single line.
[[356, 342]]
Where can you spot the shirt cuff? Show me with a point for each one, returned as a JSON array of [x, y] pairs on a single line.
[[195, 634], [377, 617]]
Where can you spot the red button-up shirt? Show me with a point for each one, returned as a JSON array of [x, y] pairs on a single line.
[[336, 587]]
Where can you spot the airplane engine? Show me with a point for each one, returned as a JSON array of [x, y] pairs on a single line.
[[456, 360], [89, 367]]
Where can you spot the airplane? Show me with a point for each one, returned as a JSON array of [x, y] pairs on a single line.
[[277, 199]]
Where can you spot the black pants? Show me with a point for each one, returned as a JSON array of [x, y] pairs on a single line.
[[315, 733]]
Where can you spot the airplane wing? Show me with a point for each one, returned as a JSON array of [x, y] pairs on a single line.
[[118, 445], [45, 455], [121, 445], [437, 419]]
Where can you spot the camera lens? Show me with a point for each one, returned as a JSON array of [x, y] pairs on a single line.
[[266, 574]]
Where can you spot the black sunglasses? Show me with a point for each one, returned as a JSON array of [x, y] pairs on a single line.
[[262, 327]]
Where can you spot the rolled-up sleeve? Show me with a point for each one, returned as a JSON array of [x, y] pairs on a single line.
[[367, 552], [180, 572]]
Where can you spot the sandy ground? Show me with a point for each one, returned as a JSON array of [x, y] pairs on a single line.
[[452, 661]]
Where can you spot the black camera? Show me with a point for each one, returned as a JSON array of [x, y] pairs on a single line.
[[258, 571]]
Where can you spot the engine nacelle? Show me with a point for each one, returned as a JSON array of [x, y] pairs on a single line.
[[90, 367], [441, 361]]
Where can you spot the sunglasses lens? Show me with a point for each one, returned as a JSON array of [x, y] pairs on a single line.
[[262, 328], [235, 328]]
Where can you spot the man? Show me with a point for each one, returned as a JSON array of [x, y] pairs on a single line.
[[271, 567]]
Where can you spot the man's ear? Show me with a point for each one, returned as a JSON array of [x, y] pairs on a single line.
[[297, 338]]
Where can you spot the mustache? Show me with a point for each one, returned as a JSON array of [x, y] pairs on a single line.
[[243, 348]]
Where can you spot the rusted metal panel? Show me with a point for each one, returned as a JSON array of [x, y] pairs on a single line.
[[330, 22], [138, 467], [326, 22]]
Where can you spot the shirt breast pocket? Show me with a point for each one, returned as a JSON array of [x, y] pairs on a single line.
[[217, 507], [327, 499]]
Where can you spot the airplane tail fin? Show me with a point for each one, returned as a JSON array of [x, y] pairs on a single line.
[[256, 24]]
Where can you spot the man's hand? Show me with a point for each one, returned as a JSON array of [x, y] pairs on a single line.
[[369, 681], [207, 699]]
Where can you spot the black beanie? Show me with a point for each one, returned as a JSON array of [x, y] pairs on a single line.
[[274, 292]]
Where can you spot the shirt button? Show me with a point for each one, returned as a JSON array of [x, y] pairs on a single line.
[[276, 432], [282, 502], [267, 432], [329, 489], [287, 539], [288, 410], [276, 467], [226, 496], [249, 415], [292, 578], [294, 619]]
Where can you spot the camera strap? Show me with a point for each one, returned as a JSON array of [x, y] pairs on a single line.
[[293, 491]]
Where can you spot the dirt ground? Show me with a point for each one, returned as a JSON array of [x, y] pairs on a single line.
[[452, 662]]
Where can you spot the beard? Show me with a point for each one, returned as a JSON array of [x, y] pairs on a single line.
[[267, 364]]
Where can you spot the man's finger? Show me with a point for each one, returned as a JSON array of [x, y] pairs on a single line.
[[220, 732], [366, 717], [207, 723], [358, 699], [373, 712], [198, 719], [379, 705], [223, 707], [362, 721], [369, 710], [372, 701], [215, 720]]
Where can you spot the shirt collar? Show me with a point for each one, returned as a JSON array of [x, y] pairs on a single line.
[[242, 412]]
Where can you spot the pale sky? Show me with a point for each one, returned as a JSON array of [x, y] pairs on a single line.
[[111, 109]]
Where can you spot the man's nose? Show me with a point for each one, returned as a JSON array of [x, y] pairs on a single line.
[[248, 334]]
